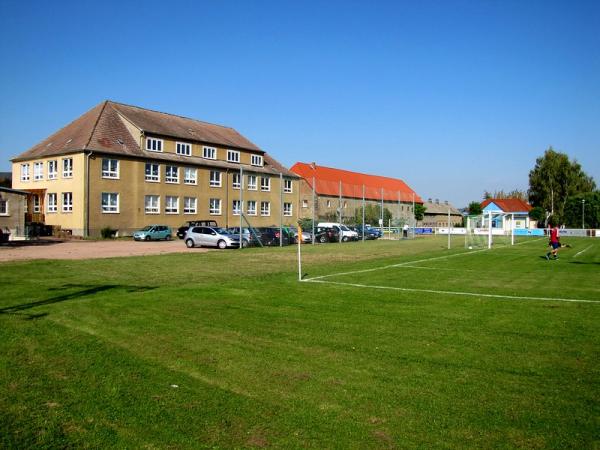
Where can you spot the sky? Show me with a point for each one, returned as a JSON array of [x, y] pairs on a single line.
[[453, 97]]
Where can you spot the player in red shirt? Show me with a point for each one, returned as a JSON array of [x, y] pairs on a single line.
[[554, 243]]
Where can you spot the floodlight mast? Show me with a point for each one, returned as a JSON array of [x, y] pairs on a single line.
[[242, 207]]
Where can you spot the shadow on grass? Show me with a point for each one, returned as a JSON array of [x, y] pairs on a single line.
[[82, 292], [585, 262]]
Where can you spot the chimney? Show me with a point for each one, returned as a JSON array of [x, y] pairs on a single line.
[[437, 201], [313, 165], [429, 200], [446, 202]]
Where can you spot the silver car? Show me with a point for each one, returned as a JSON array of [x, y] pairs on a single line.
[[211, 237]]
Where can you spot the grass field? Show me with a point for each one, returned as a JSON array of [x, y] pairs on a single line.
[[386, 345]]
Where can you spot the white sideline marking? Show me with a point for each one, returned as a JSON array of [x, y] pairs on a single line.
[[471, 294], [585, 249]]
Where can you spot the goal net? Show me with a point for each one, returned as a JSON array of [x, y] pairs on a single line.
[[489, 229]]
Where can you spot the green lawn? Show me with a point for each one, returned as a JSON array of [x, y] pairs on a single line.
[[227, 349]]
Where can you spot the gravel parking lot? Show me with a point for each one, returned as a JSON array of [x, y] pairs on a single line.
[[75, 249]]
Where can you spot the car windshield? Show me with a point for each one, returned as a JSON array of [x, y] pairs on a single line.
[[221, 230], [345, 228], [148, 228]]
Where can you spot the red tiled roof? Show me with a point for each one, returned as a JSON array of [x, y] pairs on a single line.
[[508, 204], [327, 182]]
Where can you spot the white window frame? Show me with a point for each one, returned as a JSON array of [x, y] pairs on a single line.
[[233, 156], [38, 171], [305, 203], [152, 177], [190, 179], [151, 207], [214, 206], [67, 169], [252, 183], [287, 186], [112, 168], [209, 152], [67, 202], [171, 204], [154, 144], [183, 148], [108, 207], [25, 175], [288, 209], [216, 178], [251, 207], [236, 207], [265, 208], [169, 178], [190, 205], [257, 160], [51, 202], [235, 180], [265, 183], [52, 169], [4, 205]]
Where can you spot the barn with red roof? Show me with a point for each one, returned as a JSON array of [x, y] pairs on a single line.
[[341, 191]]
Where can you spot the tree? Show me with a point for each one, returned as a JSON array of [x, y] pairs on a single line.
[[515, 193], [538, 214], [419, 211], [475, 208], [372, 215], [554, 179], [575, 213]]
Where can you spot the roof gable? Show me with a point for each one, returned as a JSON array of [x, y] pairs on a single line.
[[327, 182], [505, 205]]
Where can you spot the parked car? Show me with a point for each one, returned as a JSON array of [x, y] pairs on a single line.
[[269, 236], [194, 223], [153, 232], [370, 233], [249, 238], [347, 233], [307, 237], [326, 234], [211, 237]]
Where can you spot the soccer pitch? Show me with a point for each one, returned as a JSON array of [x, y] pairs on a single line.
[[383, 345]]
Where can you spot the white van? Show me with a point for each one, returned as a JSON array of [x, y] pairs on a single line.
[[346, 233]]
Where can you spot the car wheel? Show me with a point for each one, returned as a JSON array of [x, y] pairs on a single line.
[[168, 238], [222, 244], [147, 238], [345, 239], [245, 243], [189, 243], [322, 239]]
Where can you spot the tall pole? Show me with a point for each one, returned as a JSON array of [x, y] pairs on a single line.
[[490, 230], [381, 221], [281, 209], [583, 213], [414, 224], [340, 211], [313, 211], [242, 206], [448, 228], [512, 229], [363, 214]]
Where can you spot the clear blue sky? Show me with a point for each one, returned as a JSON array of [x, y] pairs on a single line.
[[454, 97]]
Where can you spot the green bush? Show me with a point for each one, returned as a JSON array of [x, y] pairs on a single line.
[[108, 233]]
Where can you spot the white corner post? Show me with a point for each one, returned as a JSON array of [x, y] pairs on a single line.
[[448, 228], [490, 229], [512, 229], [300, 255], [340, 212]]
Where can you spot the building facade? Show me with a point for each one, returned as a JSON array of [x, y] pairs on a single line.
[[509, 212], [329, 193], [12, 212], [436, 214], [124, 167]]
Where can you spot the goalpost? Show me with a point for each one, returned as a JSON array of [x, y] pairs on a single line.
[[488, 229]]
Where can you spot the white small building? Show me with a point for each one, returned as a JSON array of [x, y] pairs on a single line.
[[505, 210]]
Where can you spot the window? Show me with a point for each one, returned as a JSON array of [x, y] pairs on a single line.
[[171, 204], [305, 203], [110, 168], [52, 203], [171, 174], [154, 145], [265, 208], [265, 183], [38, 171], [36, 203], [184, 149], [3, 207], [251, 182], [52, 169], [215, 178], [24, 172], [152, 204], [214, 206], [110, 202], [235, 184], [189, 175], [329, 203], [287, 209], [235, 207], [152, 172], [209, 152], [67, 202], [233, 156], [67, 167], [256, 160], [189, 205], [251, 207], [287, 186]]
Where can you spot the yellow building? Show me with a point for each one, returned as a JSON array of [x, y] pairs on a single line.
[[124, 167]]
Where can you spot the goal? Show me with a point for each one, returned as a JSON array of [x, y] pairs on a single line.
[[491, 228]]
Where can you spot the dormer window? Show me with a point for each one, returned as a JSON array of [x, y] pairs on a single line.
[[257, 160], [209, 152], [184, 149], [154, 145], [233, 156]]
